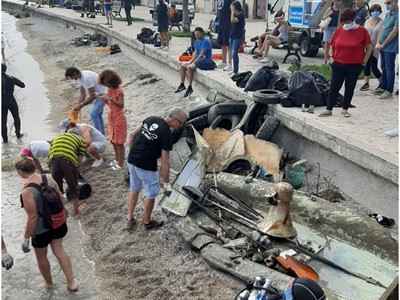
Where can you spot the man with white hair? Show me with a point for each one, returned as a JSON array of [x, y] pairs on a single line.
[[96, 142]]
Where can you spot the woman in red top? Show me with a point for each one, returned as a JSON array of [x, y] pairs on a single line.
[[116, 118], [350, 49]]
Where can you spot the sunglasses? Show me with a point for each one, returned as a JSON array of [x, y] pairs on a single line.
[[179, 121]]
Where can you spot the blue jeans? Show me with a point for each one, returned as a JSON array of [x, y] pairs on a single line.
[[96, 115], [234, 45], [387, 66]]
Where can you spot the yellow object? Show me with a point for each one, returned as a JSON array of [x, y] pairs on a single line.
[[74, 115], [102, 49]]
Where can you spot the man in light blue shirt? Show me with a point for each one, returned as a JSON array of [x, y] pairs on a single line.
[[388, 44]]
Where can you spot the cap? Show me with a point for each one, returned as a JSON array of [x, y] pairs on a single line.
[[303, 289], [63, 125], [74, 131]]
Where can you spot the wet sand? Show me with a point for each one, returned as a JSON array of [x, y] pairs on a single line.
[[109, 263]]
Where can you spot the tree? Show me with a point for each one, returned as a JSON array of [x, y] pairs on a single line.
[[185, 19]]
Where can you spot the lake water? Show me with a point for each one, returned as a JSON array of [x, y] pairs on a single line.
[[23, 280]]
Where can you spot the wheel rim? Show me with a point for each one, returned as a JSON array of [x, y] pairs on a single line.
[[304, 46]]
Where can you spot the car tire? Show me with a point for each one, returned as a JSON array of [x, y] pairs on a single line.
[[200, 122], [268, 96], [201, 110], [226, 108], [268, 128], [227, 122]]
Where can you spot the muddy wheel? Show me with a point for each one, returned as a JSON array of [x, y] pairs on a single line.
[[267, 96], [226, 121], [201, 110], [239, 165], [268, 128], [227, 108], [200, 122]]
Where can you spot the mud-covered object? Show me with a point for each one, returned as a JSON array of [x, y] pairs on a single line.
[[304, 90]]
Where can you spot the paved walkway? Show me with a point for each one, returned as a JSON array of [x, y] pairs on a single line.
[[363, 130]]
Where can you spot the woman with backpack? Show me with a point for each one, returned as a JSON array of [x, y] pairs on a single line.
[[37, 228]]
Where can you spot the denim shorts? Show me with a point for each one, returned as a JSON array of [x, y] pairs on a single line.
[[139, 179]]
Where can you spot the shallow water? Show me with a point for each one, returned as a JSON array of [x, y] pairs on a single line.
[[34, 105], [23, 280]]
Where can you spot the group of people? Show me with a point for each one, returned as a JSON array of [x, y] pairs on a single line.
[[149, 141], [354, 41]]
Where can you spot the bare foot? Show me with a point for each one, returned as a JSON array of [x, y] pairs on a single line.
[[72, 287], [79, 210]]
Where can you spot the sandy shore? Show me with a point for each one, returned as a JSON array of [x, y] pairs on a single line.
[[128, 265]]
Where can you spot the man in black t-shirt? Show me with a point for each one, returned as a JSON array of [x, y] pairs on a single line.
[[163, 21], [148, 142]]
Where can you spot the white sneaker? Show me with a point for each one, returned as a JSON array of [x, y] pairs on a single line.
[[386, 95], [228, 68], [161, 48], [265, 60], [166, 48], [113, 163], [392, 133], [97, 163], [221, 65]]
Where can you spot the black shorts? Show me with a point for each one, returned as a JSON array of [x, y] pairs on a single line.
[[44, 239], [223, 35], [163, 27]]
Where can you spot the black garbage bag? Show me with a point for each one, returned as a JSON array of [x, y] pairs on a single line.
[[303, 90], [278, 80], [242, 78], [243, 83], [272, 65], [259, 80]]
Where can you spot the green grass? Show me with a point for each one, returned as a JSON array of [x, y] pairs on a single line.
[[324, 70], [133, 19], [7, 164], [180, 34]]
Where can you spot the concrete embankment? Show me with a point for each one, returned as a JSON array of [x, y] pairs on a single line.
[[364, 162]]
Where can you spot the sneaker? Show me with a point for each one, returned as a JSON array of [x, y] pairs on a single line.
[[325, 113], [20, 135], [303, 108], [188, 92], [97, 163], [392, 133], [180, 88], [153, 224], [129, 224], [265, 60], [345, 113], [386, 95], [221, 65], [113, 163], [378, 91], [365, 87], [231, 74], [228, 68], [166, 48], [116, 167], [161, 48], [310, 110]]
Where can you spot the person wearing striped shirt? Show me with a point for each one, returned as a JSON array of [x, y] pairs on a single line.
[[65, 157]]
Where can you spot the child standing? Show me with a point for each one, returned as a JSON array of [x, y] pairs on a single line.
[[117, 126], [236, 34]]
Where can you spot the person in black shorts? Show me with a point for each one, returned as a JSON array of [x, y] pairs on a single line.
[[224, 29], [35, 230], [163, 21]]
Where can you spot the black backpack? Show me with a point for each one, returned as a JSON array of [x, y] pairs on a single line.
[[53, 212]]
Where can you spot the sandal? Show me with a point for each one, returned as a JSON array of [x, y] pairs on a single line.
[[153, 224]]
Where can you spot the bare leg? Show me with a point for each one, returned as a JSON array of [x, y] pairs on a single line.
[[44, 266], [92, 151], [366, 78], [132, 201], [120, 154], [148, 209], [65, 263], [77, 206], [190, 76], [182, 72], [326, 52], [225, 50]]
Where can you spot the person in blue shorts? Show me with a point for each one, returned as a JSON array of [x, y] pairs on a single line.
[[108, 12]]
